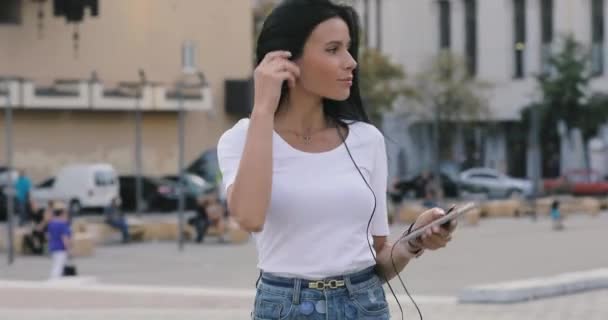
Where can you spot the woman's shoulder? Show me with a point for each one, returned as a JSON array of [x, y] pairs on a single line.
[[366, 132], [235, 134]]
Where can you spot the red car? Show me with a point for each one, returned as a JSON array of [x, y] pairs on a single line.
[[578, 182]]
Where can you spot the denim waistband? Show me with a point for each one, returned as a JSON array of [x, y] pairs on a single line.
[[354, 278]]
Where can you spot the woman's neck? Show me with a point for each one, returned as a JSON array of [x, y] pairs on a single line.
[[301, 113]]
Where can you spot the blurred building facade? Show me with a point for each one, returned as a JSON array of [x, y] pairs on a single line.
[[504, 43], [69, 94]]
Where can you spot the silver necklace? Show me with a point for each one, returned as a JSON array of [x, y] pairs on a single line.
[[306, 137]]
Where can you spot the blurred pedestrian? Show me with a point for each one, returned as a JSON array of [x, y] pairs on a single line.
[[115, 218], [35, 241], [556, 216], [209, 212], [59, 235], [23, 186]]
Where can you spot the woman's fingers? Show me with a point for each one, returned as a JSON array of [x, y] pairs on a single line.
[[435, 240], [269, 57], [289, 77]]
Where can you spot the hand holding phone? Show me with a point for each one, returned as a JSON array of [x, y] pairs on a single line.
[[445, 222]]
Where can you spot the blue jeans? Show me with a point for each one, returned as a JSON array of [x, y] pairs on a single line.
[[362, 297], [121, 225]]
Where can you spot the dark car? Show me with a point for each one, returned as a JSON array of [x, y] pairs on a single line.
[[3, 205], [194, 184], [413, 187], [206, 166], [157, 194]]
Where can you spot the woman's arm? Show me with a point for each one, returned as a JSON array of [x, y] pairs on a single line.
[[402, 254], [249, 195]]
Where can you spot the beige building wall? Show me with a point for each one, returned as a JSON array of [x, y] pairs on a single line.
[[126, 36]]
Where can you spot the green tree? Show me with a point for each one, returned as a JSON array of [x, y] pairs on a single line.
[[448, 95], [382, 82], [566, 96], [446, 90]]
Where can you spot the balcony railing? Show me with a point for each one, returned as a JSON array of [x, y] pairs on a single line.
[[93, 95]]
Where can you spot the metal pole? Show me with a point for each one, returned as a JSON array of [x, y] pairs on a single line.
[[181, 184], [9, 189], [436, 166], [138, 164], [535, 150], [379, 25]]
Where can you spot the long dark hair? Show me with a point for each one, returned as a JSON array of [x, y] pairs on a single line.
[[288, 27]]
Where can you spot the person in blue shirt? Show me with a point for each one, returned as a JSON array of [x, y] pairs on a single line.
[[115, 218], [556, 216], [23, 186], [59, 236]]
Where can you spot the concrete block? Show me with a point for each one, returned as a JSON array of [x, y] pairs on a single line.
[[19, 232], [535, 288], [160, 230], [83, 244], [408, 212], [501, 208]]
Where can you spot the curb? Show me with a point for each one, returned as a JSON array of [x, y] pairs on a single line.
[[536, 288]]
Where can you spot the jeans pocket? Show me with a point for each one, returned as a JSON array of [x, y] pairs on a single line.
[[271, 307], [371, 301]]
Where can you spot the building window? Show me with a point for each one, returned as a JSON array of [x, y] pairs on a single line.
[[444, 24], [597, 37], [519, 32], [546, 12], [470, 13], [10, 11]]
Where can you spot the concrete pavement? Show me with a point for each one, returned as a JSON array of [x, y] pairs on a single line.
[[497, 250]]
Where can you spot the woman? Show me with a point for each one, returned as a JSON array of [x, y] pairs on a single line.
[[307, 173]]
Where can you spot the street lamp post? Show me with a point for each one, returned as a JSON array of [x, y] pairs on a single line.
[[138, 143], [9, 189], [180, 160], [535, 150], [188, 68]]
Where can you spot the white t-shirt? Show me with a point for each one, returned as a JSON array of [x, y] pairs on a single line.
[[320, 206]]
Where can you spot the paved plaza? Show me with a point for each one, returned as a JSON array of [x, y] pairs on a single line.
[[214, 281]]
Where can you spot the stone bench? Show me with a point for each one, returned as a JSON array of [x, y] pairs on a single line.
[[168, 230], [501, 208], [83, 244], [18, 234], [569, 205], [104, 233]]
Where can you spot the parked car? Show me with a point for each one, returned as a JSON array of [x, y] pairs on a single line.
[[578, 182], [494, 183], [206, 166], [81, 186], [411, 187], [157, 194], [194, 184], [5, 175], [3, 205]]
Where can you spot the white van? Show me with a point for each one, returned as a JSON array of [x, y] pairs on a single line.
[[80, 186]]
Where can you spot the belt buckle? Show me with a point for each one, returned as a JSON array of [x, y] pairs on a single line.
[[322, 285]]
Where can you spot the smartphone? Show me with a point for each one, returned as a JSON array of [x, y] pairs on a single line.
[[452, 214]]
